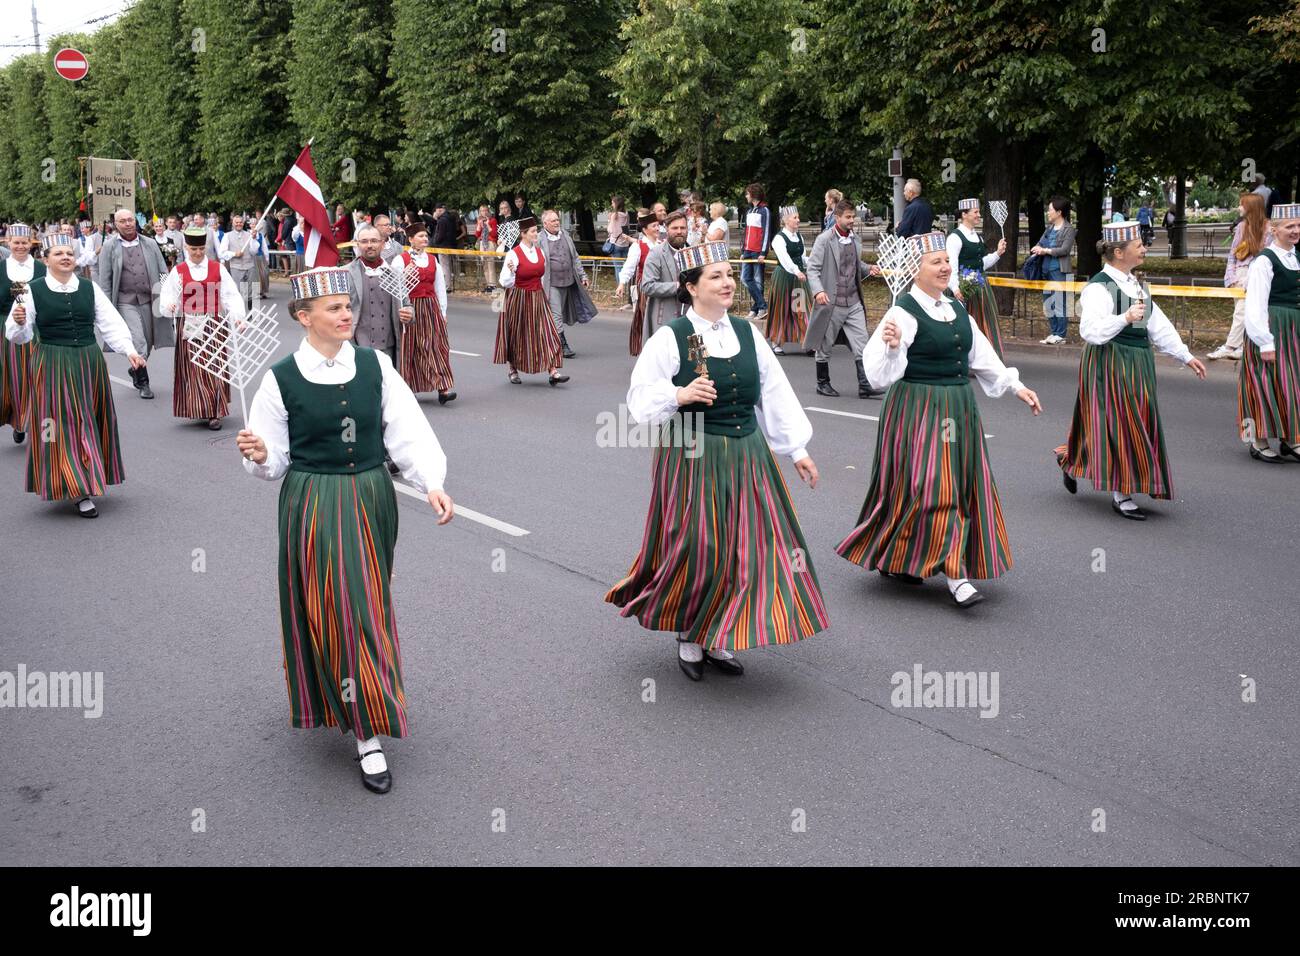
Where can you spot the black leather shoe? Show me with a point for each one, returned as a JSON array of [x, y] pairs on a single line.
[[90, 512], [1133, 514], [564, 347], [975, 598], [1067, 479], [911, 579], [1288, 451], [142, 383], [825, 388], [214, 424], [1258, 455], [513, 376], [447, 396], [869, 391], [732, 666], [375, 782], [692, 669], [19, 436], [559, 378]]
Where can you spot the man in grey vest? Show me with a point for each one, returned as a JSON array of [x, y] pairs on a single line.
[[128, 270], [835, 269], [376, 316], [236, 252], [563, 274], [391, 247], [659, 278]]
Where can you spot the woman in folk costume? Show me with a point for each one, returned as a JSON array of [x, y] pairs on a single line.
[[15, 359], [323, 419], [69, 387], [629, 276], [932, 506], [789, 296], [1116, 438], [424, 355], [723, 561], [526, 338], [201, 294], [1268, 398], [966, 253]]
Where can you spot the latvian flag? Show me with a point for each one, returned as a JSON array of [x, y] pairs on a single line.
[[301, 191]]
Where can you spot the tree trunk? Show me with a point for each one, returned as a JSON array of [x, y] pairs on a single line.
[[1178, 234], [1092, 185], [1035, 200], [1003, 168], [586, 223]]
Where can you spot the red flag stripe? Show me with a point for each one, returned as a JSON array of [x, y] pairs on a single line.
[[301, 191]]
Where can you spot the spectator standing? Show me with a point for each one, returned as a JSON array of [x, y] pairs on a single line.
[[617, 239], [719, 228], [485, 240], [833, 196], [918, 217], [1252, 233], [1055, 247], [758, 222]]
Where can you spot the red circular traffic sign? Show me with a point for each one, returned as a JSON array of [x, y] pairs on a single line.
[[70, 64]]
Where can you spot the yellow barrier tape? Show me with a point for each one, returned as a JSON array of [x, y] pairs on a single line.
[[1182, 291]]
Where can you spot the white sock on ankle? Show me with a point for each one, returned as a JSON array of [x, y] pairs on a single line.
[[1125, 502], [373, 760], [721, 654], [690, 652]]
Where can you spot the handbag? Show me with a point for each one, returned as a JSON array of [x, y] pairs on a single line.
[[1033, 269]]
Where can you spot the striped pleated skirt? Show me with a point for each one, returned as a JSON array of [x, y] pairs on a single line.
[[1116, 440], [984, 312], [526, 336], [723, 559], [788, 302], [342, 662], [424, 357], [932, 505], [15, 383], [73, 448], [1268, 393], [195, 392], [636, 340]]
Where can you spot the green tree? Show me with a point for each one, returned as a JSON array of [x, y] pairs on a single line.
[[36, 182]]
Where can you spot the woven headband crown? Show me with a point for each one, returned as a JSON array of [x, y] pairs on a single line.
[[928, 242], [318, 282], [695, 257]]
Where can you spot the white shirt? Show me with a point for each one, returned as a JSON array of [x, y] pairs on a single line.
[[652, 396], [1099, 323], [720, 223], [885, 365], [108, 321], [511, 263], [87, 249], [170, 296], [227, 250], [782, 256], [408, 438], [953, 246], [421, 259], [628, 272], [20, 271], [1259, 282]]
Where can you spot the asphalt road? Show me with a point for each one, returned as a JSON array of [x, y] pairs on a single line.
[[1119, 691]]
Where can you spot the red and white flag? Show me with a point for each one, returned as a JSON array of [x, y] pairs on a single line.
[[301, 191]]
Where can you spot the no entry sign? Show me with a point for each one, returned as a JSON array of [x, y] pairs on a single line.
[[70, 64]]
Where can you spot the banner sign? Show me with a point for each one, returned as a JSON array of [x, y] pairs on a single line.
[[112, 185]]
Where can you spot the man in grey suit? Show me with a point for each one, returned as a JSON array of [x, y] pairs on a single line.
[[659, 278], [563, 274], [835, 269], [128, 270], [377, 317]]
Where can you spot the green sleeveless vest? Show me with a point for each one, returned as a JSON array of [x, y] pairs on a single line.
[[6, 284], [939, 355], [736, 380], [971, 255], [334, 429], [65, 318], [1285, 292], [1129, 336], [794, 249]]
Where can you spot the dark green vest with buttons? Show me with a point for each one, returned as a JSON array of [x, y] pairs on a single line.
[[64, 318], [6, 284], [1285, 293], [939, 355], [334, 429], [735, 379], [970, 256], [794, 249], [1129, 336]]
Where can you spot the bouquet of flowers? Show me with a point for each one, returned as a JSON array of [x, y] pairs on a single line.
[[969, 283]]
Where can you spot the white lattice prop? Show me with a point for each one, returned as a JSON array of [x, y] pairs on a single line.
[[235, 352], [998, 208], [508, 234], [899, 262], [399, 284]]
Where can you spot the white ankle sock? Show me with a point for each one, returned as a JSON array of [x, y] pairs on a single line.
[[721, 654], [690, 652], [1125, 502], [955, 583], [373, 761], [85, 504]]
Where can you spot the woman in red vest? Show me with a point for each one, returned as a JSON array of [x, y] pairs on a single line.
[[424, 356], [526, 338]]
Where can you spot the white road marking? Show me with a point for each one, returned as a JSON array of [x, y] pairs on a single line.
[[121, 381], [459, 352], [463, 512], [834, 411]]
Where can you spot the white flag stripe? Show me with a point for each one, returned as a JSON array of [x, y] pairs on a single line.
[[306, 182], [311, 247]]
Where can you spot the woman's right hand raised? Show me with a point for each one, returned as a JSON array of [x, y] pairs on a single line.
[[700, 390]]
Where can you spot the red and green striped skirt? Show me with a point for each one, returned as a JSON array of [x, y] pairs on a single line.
[[1268, 393], [787, 309], [636, 339], [424, 358], [723, 559], [342, 662], [1116, 440], [932, 506], [73, 449], [196, 393], [526, 336], [15, 383], [984, 311]]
